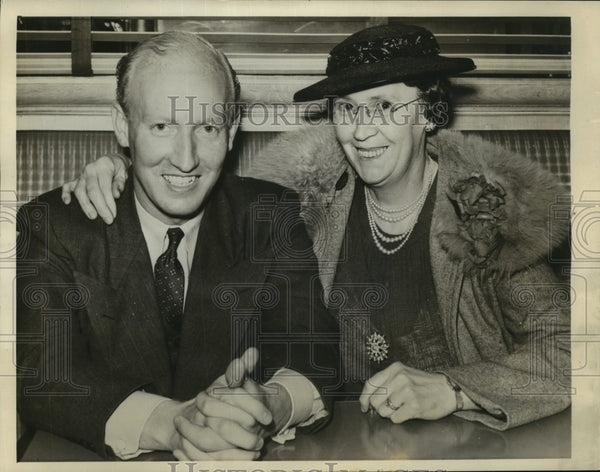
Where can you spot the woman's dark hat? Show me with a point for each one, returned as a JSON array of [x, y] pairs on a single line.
[[380, 55]]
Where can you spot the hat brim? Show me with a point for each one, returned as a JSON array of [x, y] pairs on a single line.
[[366, 76]]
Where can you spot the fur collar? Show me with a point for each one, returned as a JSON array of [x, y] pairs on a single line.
[[308, 160], [525, 230], [311, 161]]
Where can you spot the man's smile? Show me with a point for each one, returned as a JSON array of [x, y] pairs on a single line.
[[180, 181]]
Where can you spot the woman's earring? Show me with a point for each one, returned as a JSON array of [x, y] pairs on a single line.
[[430, 126]]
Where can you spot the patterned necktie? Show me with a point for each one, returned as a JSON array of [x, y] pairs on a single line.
[[169, 279]]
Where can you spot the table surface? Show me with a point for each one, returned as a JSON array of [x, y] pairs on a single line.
[[352, 435]]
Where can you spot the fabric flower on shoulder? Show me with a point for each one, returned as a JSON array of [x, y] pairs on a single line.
[[479, 205]]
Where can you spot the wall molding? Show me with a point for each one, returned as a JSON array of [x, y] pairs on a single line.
[[83, 103], [301, 63]]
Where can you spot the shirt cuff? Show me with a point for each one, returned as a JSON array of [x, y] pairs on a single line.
[[125, 426], [307, 405]]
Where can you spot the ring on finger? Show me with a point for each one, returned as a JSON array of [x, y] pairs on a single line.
[[390, 405]]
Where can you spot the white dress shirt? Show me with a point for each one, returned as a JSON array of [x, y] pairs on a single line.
[[124, 427]]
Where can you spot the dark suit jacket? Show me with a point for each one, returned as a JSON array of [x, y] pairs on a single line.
[[89, 328]]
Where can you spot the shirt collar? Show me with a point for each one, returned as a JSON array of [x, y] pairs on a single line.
[[156, 231]]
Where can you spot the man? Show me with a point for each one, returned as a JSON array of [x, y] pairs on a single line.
[[186, 279]]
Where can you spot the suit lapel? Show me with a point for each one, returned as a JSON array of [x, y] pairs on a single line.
[[131, 275], [206, 338], [204, 328]]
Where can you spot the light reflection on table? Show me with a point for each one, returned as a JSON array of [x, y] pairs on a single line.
[[352, 435]]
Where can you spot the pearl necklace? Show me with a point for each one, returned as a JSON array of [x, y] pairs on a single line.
[[412, 210], [401, 213], [377, 235], [382, 212]]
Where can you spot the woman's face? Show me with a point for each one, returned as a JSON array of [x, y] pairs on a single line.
[[382, 133]]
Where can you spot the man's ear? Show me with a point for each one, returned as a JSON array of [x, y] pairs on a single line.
[[120, 125], [233, 130]]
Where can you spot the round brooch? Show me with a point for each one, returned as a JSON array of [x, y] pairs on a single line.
[[377, 347]]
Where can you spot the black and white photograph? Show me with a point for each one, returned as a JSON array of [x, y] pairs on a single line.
[[304, 235]]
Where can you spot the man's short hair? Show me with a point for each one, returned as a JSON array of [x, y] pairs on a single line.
[[179, 42]]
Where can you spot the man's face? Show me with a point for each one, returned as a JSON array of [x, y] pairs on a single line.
[[177, 134]]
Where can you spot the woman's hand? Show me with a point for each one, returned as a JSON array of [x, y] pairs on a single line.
[[402, 393], [96, 189]]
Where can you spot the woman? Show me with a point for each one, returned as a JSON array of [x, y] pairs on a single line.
[[429, 247]]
